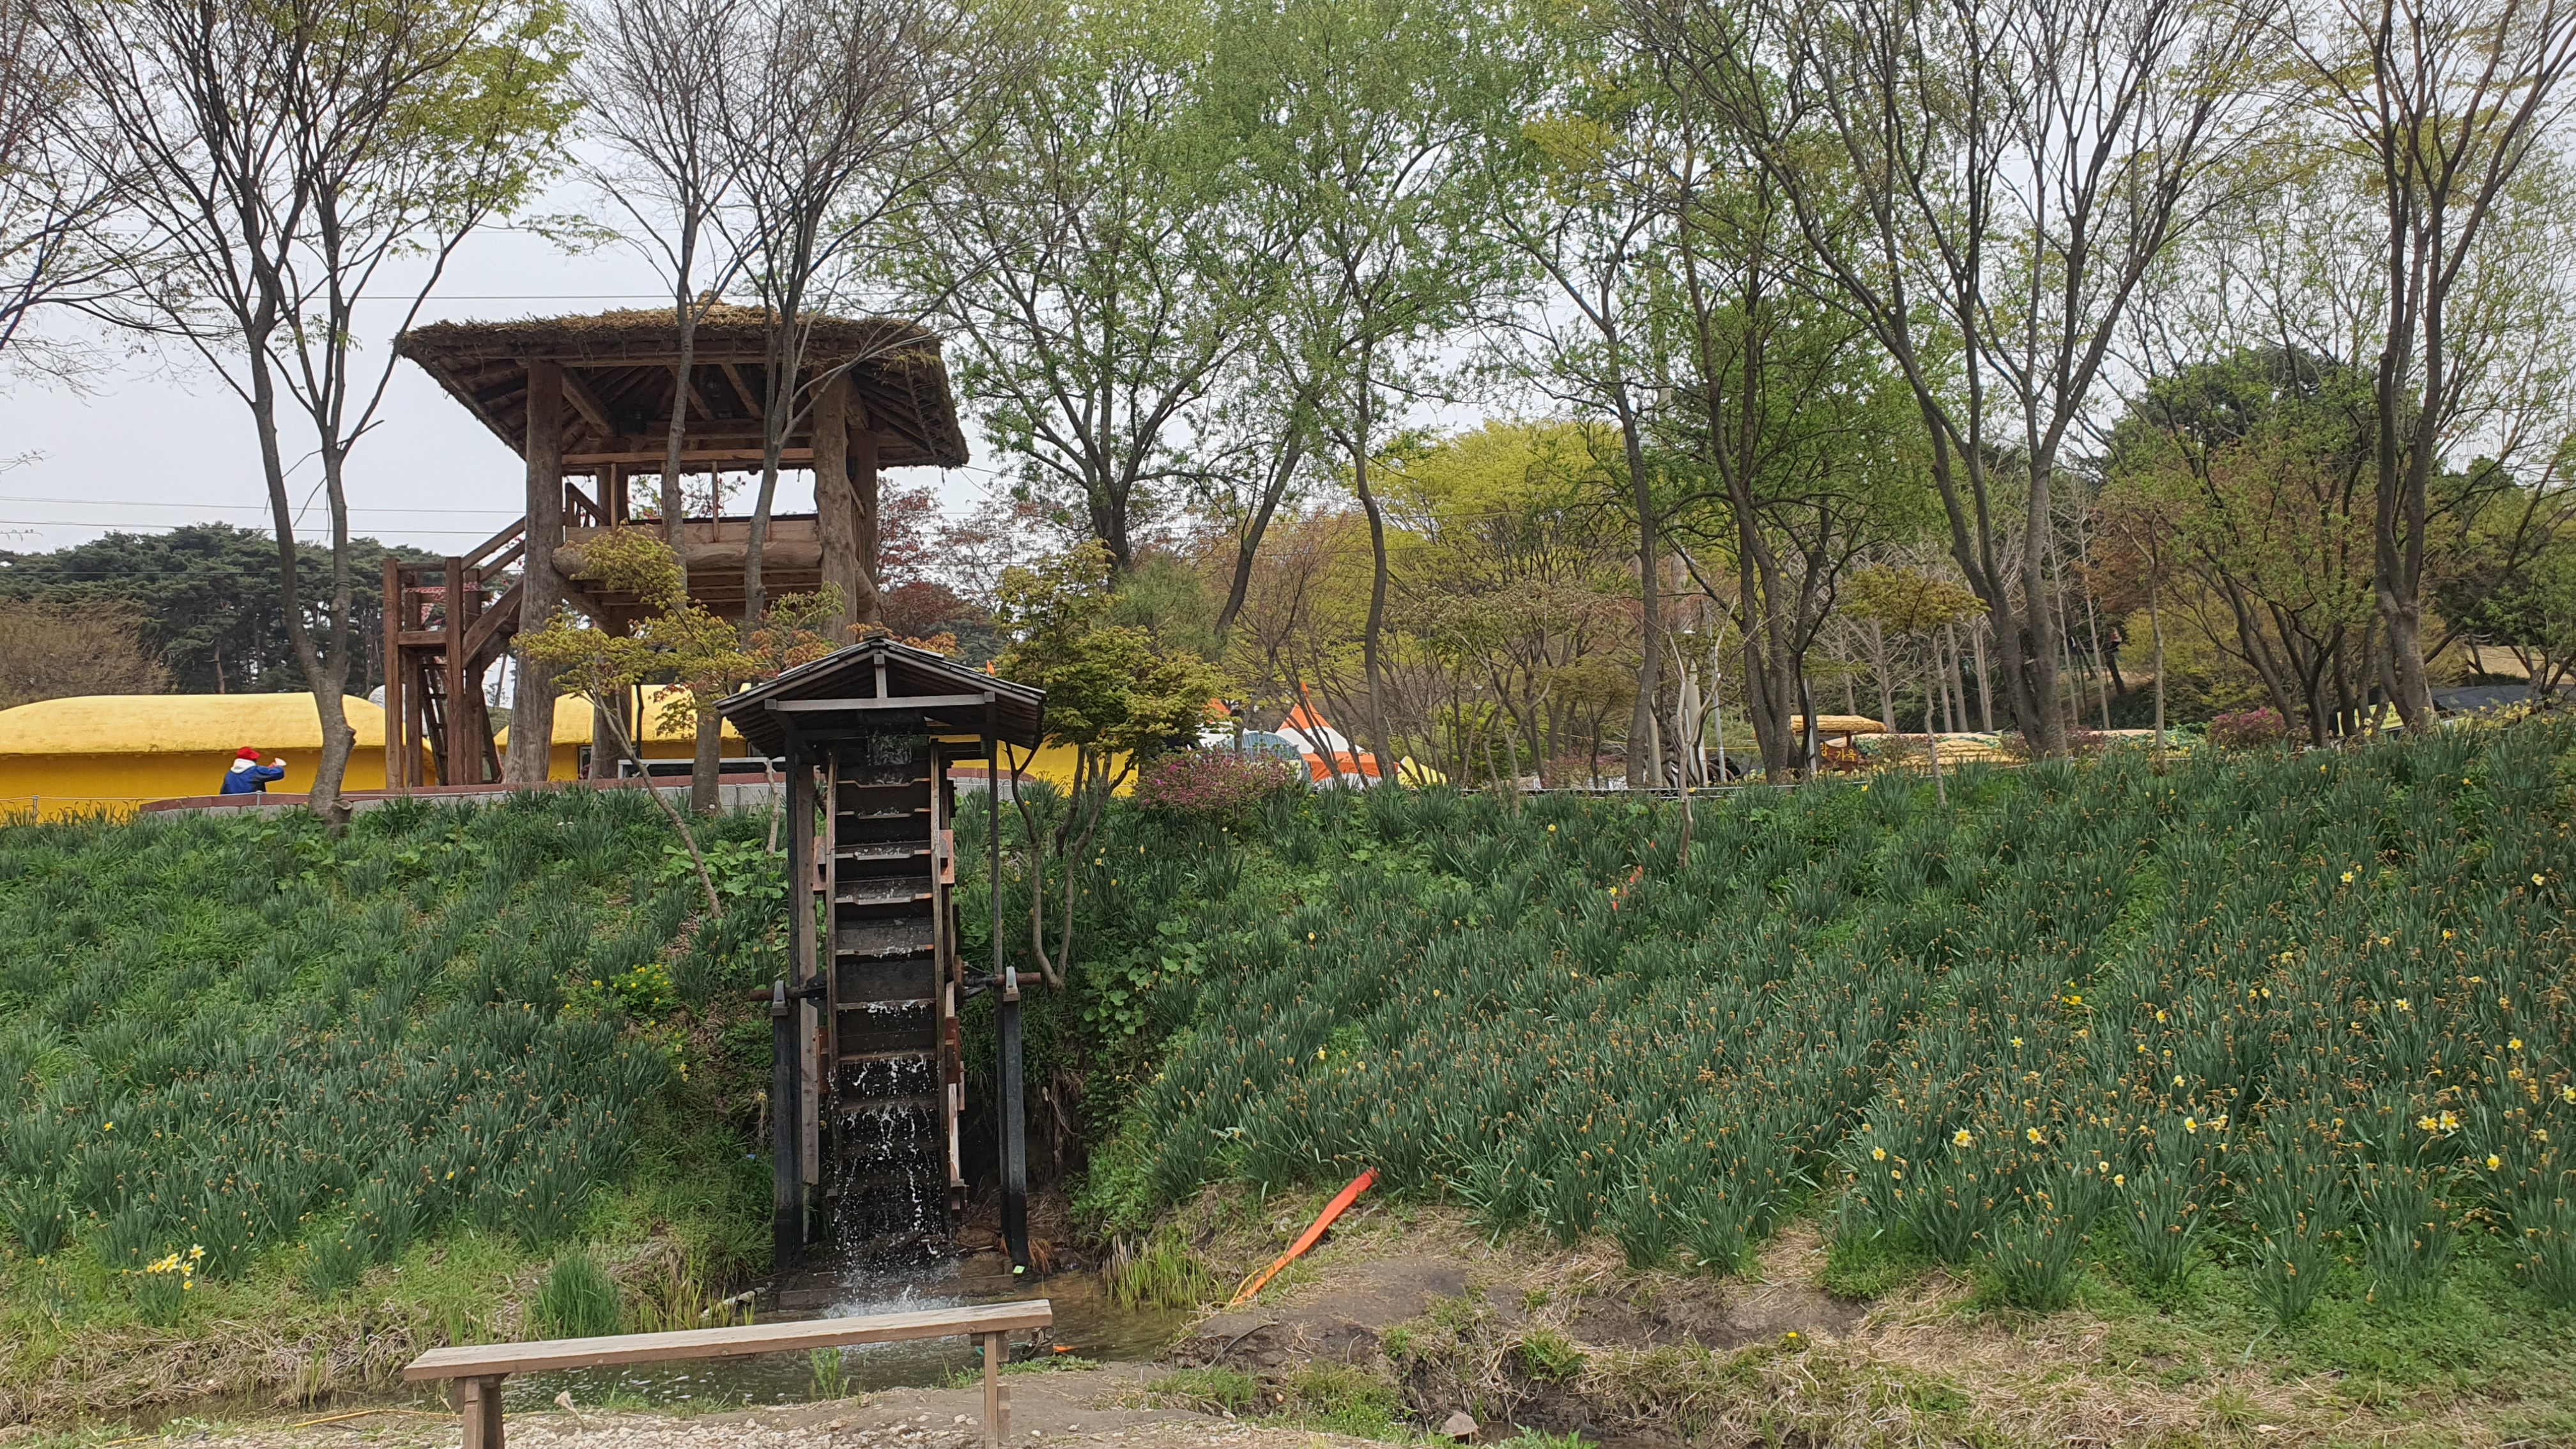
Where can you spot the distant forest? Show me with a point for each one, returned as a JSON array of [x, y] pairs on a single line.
[[199, 604]]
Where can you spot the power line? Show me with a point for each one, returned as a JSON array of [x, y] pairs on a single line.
[[129, 523], [156, 503]]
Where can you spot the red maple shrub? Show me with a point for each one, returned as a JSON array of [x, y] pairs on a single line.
[[2248, 729], [1212, 783]]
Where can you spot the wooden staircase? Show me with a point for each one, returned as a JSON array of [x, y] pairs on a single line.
[[889, 1074], [447, 623]]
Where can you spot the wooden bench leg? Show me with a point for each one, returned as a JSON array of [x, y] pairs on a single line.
[[997, 1396], [479, 1401]]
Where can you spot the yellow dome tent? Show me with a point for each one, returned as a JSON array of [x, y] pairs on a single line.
[[575, 731], [112, 752]]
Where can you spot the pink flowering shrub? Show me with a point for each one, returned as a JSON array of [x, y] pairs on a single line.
[[1213, 783], [2249, 729]]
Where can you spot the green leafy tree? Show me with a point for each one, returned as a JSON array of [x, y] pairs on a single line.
[[2452, 104], [1801, 449], [1984, 186], [2531, 613], [1098, 267], [1115, 696], [205, 602], [282, 164], [2259, 467], [678, 642], [1908, 603], [1369, 122]]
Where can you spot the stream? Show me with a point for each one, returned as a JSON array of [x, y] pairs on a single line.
[[1087, 1325]]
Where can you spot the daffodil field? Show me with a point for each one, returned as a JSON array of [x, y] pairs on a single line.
[[2306, 1016], [235, 1047]]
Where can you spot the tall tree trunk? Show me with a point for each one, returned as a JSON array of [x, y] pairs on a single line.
[[2156, 634], [1247, 549], [532, 705], [705, 754], [1650, 659], [1985, 680], [1886, 681], [2040, 664], [1371, 638]]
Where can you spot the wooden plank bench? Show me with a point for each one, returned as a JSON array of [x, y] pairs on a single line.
[[479, 1368]]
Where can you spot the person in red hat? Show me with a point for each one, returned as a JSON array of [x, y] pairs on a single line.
[[248, 776]]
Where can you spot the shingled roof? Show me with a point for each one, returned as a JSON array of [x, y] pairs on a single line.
[[619, 370]]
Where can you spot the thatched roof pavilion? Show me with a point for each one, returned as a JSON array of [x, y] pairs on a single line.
[[593, 397], [619, 367]]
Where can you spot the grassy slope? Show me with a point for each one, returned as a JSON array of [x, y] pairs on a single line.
[[1564, 1027], [381, 1080]]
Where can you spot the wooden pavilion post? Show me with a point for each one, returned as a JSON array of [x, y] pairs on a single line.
[[836, 507], [532, 712], [797, 1099], [464, 732], [397, 770]]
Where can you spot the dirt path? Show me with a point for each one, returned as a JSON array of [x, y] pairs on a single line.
[[1050, 1409]]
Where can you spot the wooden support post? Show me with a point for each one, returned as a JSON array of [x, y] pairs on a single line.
[[479, 1405], [532, 712], [808, 959], [464, 752], [787, 1189], [397, 772], [997, 1395], [836, 507], [416, 736], [1008, 1086]]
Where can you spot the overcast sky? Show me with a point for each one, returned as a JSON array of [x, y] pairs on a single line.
[[160, 442]]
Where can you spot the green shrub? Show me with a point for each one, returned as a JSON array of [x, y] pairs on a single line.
[[2406, 1232], [1166, 1273], [2164, 1224], [38, 1212], [1549, 1356], [578, 1299], [2544, 1249], [2035, 1255]]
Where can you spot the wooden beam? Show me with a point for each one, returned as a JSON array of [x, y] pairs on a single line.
[[587, 403], [690, 458], [490, 1359], [891, 701], [742, 389]]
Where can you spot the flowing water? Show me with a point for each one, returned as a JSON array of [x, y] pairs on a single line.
[[1087, 1324]]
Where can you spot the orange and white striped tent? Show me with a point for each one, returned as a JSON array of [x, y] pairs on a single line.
[[1331, 759]]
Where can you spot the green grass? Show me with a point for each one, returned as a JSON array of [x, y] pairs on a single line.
[[378, 1079], [1872, 1263], [578, 1299], [2221, 1044], [1164, 1273]]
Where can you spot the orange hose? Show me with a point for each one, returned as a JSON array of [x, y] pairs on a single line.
[[1341, 1203]]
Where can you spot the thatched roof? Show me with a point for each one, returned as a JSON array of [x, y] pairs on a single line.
[[618, 368]]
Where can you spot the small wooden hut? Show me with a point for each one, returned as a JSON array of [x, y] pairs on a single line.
[[588, 403]]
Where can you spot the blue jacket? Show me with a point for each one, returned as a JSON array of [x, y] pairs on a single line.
[[245, 778]]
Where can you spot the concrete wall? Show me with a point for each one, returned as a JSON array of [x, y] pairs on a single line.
[[56, 786]]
